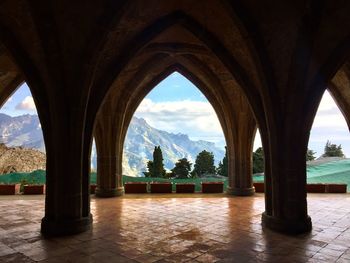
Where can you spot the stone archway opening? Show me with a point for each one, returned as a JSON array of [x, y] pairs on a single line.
[[258, 158], [176, 116], [22, 158], [112, 121], [329, 143]]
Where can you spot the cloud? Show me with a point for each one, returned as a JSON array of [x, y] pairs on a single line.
[[27, 104], [195, 118], [257, 141], [9, 99], [328, 114], [329, 124], [199, 121], [326, 103]]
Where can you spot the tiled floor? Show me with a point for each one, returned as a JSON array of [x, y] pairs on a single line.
[[196, 228]]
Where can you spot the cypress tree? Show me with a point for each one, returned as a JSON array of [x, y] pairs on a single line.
[[149, 172], [223, 166], [158, 166]]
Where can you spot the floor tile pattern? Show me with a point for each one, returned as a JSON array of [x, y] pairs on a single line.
[[171, 228]]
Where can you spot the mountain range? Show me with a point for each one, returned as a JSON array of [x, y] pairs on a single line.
[[25, 131]]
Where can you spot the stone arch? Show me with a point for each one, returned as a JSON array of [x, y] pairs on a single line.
[[339, 88], [140, 44], [162, 25], [182, 65]]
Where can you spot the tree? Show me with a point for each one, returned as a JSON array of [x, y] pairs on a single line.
[[155, 168], [204, 164], [258, 161], [223, 165], [333, 150], [182, 168], [149, 172], [158, 166], [310, 155]]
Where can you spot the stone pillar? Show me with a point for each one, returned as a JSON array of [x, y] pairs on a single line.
[[240, 151], [109, 154], [67, 208], [285, 181], [108, 184]]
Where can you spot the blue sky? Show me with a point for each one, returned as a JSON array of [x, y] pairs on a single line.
[[20, 102], [177, 106]]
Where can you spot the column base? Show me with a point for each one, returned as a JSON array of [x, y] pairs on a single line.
[[240, 191], [99, 192], [65, 227], [286, 226]]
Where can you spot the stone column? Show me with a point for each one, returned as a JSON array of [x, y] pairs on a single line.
[[240, 150], [67, 207], [285, 181], [109, 159], [108, 184]]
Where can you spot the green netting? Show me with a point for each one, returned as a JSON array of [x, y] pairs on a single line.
[[331, 172], [258, 178], [36, 177], [338, 170]]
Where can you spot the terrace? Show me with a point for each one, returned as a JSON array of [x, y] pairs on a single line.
[[185, 228]]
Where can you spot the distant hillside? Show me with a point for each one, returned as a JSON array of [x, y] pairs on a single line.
[[18, 159], [141, 139], [25, 131]]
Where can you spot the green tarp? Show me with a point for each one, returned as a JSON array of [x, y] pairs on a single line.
[[329, 172]]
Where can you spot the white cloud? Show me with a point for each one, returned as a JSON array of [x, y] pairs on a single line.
[[257, 140], [327, 103], [328, 114], [195, 118], [329, 124], [27, 104]]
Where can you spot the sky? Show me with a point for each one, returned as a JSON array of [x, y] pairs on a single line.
[[176, 105]]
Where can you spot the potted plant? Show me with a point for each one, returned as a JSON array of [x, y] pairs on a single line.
[[212, 187], [9, 189], [135, 187], [185, 187], [161, 187]]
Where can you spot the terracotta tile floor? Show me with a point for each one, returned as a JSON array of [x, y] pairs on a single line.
[[196, 228]]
